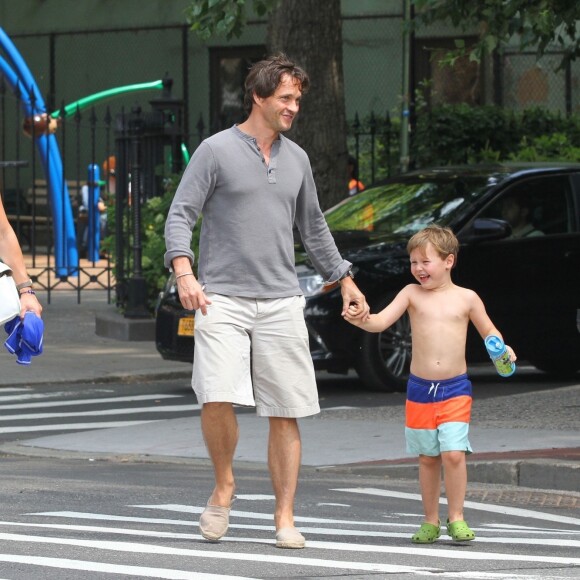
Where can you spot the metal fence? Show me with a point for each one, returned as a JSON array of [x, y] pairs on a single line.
[[372, 66], [116, 159]]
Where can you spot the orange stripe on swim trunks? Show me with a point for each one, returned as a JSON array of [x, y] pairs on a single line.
[[430, 415]]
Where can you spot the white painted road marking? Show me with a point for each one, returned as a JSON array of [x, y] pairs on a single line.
[[72, 426], [139, 571], [304, 529], [138, 548], [73, 402], [519, 512], [103, 412]]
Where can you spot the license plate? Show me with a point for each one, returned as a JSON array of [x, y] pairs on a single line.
[[186, 326]]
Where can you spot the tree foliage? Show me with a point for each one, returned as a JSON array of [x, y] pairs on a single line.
[[536, 24], [227, 18]]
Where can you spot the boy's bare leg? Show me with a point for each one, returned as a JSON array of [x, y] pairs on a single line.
[[430, 482], [455, 475], [284, 451], [220, 432]]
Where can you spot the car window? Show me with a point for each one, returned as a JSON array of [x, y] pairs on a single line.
[[536, 207], [406, 207]]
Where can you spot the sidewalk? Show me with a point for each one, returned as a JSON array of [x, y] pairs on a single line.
[[74, 353], [370, 441]]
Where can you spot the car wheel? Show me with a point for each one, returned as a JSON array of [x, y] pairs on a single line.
[[385, 357]]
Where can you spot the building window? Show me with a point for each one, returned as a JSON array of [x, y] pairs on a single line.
[[228, 70]]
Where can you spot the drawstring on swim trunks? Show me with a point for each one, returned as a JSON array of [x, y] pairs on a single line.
[[434, 386]]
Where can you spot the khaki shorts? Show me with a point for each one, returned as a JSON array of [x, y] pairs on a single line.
[[254, 352]]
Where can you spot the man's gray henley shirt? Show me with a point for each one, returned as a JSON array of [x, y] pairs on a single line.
[[249, 210]]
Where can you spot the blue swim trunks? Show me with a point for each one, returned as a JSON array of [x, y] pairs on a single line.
[[437, 415]]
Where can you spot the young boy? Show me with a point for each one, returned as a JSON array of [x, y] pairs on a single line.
[[438, 391]]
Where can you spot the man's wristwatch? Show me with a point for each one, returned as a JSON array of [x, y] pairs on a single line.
[[348, 274]]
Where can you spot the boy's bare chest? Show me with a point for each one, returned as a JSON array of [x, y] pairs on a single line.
[[440, 308]]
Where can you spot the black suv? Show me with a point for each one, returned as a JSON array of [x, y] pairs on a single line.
[[519, 229]]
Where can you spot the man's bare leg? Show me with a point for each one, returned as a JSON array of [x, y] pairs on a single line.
[[220, 432], [284, 453]]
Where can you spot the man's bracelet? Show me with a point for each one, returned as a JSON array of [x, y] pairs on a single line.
[[182, 275], [27, 292], [22, 285]]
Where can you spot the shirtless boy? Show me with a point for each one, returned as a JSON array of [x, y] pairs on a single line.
[[438, 391]]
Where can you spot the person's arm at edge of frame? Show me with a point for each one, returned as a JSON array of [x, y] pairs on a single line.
[[385, 318], [12, 255], [482, 322]]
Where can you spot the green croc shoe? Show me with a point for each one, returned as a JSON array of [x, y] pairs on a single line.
[[460, 531], [427, 534]]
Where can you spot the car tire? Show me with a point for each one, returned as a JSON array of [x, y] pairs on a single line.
[[385, 357]]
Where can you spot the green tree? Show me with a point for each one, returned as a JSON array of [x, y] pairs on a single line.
[[310, 32], [531, 23]]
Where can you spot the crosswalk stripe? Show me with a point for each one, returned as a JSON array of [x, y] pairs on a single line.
[[134, 548], [430, 552], [103, 412], [306, 530], [259, 516], [31, 396], [79, 402], [72, 426], [139, 571], [469, 504]]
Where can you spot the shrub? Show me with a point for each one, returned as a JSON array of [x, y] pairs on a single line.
[[456, 134], [153, 216]]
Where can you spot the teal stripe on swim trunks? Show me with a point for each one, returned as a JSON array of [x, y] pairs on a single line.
[[451, 436]]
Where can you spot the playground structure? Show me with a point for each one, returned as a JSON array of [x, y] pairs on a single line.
[[141, 150]]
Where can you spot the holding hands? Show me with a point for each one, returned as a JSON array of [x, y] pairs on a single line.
[[354, 305]]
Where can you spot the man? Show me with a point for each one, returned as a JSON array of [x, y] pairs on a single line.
[[517, 211], [251, 344]]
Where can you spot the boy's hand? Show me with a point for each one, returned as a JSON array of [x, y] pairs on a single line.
[[354, 304], [511, 352], [352, 315]]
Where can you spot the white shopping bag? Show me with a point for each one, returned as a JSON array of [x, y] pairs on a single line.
[[9, 299]]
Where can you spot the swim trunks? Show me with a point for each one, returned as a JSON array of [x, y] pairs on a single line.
[[437, 415]]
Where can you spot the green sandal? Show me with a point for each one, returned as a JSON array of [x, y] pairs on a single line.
[[460, 531], [427, 534]]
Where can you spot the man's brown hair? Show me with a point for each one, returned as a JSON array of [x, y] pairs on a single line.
[[265, 76], [442, 239]]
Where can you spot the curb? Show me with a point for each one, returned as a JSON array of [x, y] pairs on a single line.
[[123, 378], [562, 475]]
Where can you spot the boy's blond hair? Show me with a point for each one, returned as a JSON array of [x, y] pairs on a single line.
[[442, 239]]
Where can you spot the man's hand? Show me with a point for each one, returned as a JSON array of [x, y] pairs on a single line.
[[354, 305], [191, 294]]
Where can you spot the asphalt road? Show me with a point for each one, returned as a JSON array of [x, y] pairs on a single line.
[[78, 516], [90, 519]]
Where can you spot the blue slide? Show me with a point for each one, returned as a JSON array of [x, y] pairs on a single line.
[[20, 79]]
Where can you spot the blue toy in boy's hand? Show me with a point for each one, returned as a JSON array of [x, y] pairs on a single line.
[[499, 355]]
